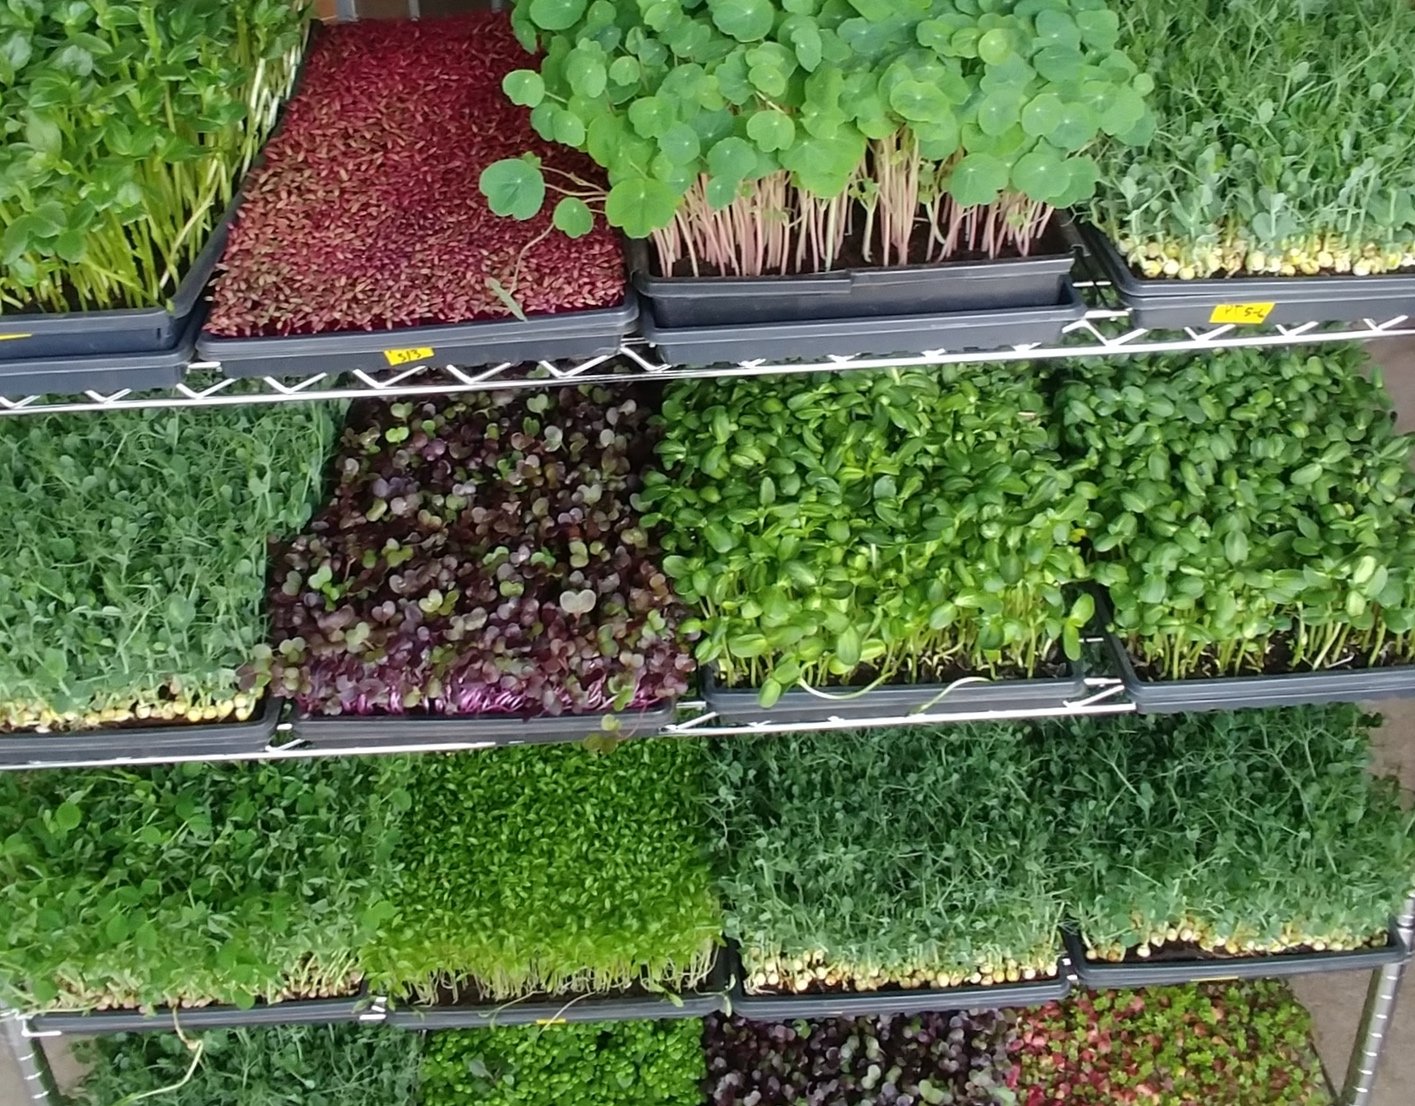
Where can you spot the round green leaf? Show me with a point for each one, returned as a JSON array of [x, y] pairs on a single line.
[[999, 111], [771, 130], [651, 116], [573, 217], [1057, 28], [721, 191], [569, 129], [1039, 174], [586, 73], [995, 46], [1077, 127], [1059, 64], [1042, 115], [744, 20], [919, 102], [513, 187], [639, 206], [679, 144], [939, 138], [1100, 27], [732, 159], [977, 179], [624, 70], [556, 15], [524, 87]]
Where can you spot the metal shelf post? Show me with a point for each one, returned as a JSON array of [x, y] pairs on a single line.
[[30, 1059], [1375, 1021]]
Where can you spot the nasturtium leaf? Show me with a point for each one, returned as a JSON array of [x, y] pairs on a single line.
[[569, 128], [513, 186], [876, 11], [1099, 26], [721, 191], [824, 165], [995, 46], [651, 116], [769, 80], [660, 14], [919, 102], [640, 205], [732, 159], [805, 39], [556, 15], [939, 138], [977, 179], [1042, 115], [999, 111], [624, 70], [964, 43], [1076, 127], [544, 118], [1059, 64], [679, 144], [744, 20], [1124, 109], [524, 87], [1057, 28], [586, 72], [1039, 174], [771, 130], [573, 217]]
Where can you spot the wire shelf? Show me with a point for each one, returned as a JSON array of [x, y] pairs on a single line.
[[1105, 331]]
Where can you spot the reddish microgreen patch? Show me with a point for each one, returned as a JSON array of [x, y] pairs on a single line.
[[366, 213]]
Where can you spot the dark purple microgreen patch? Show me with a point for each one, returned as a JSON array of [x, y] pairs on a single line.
[[480, 554]]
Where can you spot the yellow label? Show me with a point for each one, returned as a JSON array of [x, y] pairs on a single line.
[[1250, 313], [12, 337], [550, 1021], [407, 356]]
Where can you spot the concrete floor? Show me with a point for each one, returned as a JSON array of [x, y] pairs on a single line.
[[1335, 1000]]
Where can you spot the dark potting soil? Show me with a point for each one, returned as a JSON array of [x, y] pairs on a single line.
[[1276, 662], [852, 254]]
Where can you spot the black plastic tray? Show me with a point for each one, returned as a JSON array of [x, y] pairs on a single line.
[[1166, 302], [335, 731], [70, 374], [174, 742], [854, 293], [1145, 973], [741, 706], [323, 1011], [894, 334], [84, 335], [995, 996], [571, 335], [1283, 689], [709, 997]]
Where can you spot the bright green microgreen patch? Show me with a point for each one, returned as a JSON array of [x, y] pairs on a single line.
[[552, 869], [1256, 509], [1251, 831], [907, 525], [193, 883], [133, 564], [1283, 143], [648, 1063], [127, 124], [878, 858]]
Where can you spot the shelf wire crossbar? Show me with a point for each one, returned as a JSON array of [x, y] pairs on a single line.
[[1104, 331]]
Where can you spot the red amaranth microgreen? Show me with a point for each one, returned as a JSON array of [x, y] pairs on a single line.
[[480, 555], [366, 213]]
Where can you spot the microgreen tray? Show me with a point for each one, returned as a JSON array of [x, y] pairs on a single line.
[[323, 1011], [170, 742], [708, 997], [335, 731], [571, 335], [743, 706], [1144, 973], [70, 374], [110, 336], [984, 285], [882, 335], [1280, 689], [851, 1004], [1251, 300]]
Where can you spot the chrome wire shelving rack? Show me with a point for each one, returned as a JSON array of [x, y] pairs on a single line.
[[1105, 331]]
